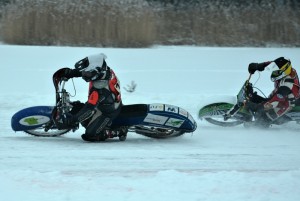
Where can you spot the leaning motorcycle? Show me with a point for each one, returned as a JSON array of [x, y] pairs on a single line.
[[151, 120], [214, 113]]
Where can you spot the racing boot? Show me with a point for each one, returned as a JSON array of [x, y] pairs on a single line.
[[123, 134], [262, 120], [93, 138]]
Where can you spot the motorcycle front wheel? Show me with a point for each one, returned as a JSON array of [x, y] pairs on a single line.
[[40, 132], [219, 121]]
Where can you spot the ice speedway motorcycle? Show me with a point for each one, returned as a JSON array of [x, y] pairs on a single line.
[[214, 112], [151, 120]]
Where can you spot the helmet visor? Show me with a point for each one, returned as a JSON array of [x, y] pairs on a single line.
[[89, 75], [82, 64], [279, 73]]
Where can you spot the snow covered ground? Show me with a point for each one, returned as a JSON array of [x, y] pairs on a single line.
[[212, 164]]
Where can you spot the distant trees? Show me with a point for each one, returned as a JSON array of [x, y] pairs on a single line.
[[230, 23], [238, 3], [4, 2], [79, 22], [141, 23]]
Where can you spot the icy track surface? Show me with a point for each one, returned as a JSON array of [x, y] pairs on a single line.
[[211, 164]]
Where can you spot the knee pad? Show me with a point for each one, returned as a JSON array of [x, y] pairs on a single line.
[[97, 125]]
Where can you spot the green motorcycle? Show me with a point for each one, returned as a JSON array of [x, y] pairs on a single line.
[[215, 113]]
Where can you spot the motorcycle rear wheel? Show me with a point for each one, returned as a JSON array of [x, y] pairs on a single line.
[[158, 133]]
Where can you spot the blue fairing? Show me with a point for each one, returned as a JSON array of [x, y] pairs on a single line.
[[31, 118], [170, 116], [158, 115]]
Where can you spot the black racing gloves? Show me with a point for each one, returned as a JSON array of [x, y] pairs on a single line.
[[257, 66], [69, 120], [70, 73]]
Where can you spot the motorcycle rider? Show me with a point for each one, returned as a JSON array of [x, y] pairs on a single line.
[[104, 99], [282, 98]]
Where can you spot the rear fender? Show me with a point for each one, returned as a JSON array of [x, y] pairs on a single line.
[[219, 109], [214, 109], [157, 115]]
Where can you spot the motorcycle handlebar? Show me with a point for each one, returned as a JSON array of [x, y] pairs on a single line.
[[58, 77], [59, 80], [250, 75]]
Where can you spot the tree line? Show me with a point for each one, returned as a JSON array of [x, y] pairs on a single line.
[[142, 23]]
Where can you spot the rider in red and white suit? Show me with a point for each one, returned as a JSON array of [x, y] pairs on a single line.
[[104, 100], [286, 91]]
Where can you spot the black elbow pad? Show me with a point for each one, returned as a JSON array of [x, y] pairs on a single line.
[[284, 91]]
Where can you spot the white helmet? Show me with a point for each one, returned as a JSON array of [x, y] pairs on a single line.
[[92, 67]]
